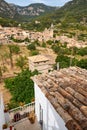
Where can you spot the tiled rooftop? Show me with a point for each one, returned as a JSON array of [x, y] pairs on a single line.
[[67, 91], [38, 58]]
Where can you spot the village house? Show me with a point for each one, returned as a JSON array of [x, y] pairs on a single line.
[[2, 116], [61, 99], [48, 33], [40, 63]]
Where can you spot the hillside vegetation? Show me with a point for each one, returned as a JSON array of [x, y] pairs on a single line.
[[25, 13], [4, 22], [72, 14]]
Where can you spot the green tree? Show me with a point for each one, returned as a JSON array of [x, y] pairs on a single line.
[[65, 61], [36, 42], [26, 39], [56, 48], [21, 87], [82, 63], [50, 42], [13, 49], [82, 51], [35, 52], [31, 47], [44, 44], [21, 62]]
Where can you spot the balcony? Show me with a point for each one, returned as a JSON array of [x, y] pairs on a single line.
[[18, 118], [25, 124]]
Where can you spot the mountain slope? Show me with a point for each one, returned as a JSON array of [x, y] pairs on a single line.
[[76, 8], [72, 13], [32, 9], [23, 13], [6, 10]]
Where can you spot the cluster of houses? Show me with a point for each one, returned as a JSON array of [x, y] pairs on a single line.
[[47, 34], [71, 42], [17, 33], [60, 95]]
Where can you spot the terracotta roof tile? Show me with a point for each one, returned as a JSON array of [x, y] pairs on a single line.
[[67, 91], [38, 58]]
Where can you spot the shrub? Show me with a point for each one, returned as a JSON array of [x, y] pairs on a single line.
[[31, 47], [35, 52], [44, 44], [82, 63]]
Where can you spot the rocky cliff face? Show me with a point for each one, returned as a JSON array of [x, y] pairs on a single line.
[[33, 9], [11, 10], [6, 10]]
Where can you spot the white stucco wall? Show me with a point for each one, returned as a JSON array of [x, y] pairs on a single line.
[[51, 119], [2, 117]]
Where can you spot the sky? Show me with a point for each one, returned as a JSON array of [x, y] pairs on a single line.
[[47, 2]]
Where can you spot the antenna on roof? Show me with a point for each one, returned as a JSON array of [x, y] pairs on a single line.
[[57, 65], [71, 58]]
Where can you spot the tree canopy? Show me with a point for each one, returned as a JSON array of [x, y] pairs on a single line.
[[21, 87]]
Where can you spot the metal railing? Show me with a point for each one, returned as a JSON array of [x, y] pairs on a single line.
[[21, 112]]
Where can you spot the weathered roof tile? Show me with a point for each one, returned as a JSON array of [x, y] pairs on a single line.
[[67, 91]]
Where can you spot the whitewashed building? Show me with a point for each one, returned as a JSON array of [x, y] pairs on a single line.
[[61, 99], [45, 112], [2, 116]]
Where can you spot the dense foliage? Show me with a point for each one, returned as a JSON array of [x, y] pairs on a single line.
[[31, 46], [34, 52], [65, 61], [72, 15], [82, 63], [61, 48], [82, 51], [69, 56], [8, 22], [21, 87], [44, 44], [21, 62]]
